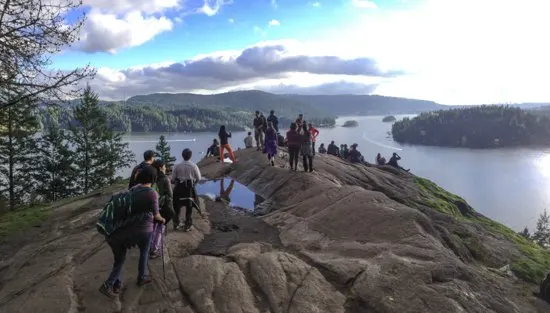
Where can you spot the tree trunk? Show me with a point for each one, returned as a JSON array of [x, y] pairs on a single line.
[[11, 187]]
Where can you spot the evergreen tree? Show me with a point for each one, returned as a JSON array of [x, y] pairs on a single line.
[[55, 168], [18, 127], [163, 150], [98, 151], [525, 233], [542, 232]]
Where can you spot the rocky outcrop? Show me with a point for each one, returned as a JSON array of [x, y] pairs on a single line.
[[344, 239]]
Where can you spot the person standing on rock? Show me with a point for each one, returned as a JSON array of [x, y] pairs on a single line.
[[224, 144], [306, 151], [314, 133], [147, 161], [270, 146], [166, 207], [258, 131], [144, 199], [185, 176], [299, 122], [293, 142], [273, 120]]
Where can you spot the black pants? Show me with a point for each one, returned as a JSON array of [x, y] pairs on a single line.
[[313, 147], [293, 153], [188, 204], [308, 167]]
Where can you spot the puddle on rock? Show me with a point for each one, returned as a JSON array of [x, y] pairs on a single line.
[[237, 195]]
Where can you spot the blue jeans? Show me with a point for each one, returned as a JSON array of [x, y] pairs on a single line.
[[119, 249]]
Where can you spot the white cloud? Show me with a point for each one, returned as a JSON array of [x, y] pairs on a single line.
[[107, 32], [124, 6], [212, 7], [274, 3], [316, 4], [274, 23], [231, 21], [364, 4]]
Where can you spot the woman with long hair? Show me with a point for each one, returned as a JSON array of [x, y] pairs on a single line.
[[306, 149], [270, 145], [293, 142], [164, 189], [224, 144]]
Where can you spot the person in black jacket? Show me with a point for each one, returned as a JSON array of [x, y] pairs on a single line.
[[273, 120], [224, 144], [147, 161], [259, 131], [165, 204]]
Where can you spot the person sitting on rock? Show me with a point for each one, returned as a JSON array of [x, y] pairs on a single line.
[[165, 204], [214, 149], [354, 156], [144, 199], [344, 152], [333, 149], [393, 162], [185, 176], [322, 149], [294, 142], [380, 160], [249, 141]]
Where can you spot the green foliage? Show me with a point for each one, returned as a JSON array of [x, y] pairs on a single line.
[[99, 152], [18, 128], [534, 263], [21, 219], [474, 127], [163, 150], [542, 233]]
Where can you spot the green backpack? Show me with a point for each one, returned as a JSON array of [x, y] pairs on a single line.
[[118, 213]]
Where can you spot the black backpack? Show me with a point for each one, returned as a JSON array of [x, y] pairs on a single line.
[[544, 292]]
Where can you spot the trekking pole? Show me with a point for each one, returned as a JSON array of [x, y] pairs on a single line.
[[162, 252]]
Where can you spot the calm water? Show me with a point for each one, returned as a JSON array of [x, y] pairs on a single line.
[[238, 195], [508, 185]]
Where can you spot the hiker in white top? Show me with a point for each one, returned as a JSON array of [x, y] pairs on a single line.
[[249, 141], [185, 175]]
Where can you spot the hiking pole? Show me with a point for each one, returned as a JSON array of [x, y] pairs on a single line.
[[162, 252]]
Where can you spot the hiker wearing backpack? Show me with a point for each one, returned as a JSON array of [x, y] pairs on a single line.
[[147, 161], [164, 190], [184, 176], [126, 221]]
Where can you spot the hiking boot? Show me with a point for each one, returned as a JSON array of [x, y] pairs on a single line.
[[154, 255], [117, 287], [187, 228], [180, 226], [144, 281], [272, 163], [107, 290]]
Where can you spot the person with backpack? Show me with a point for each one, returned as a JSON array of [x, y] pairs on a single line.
[[147, 161], [184, 176], [273, 120], [270, 145], [126, 221], [164, 190]]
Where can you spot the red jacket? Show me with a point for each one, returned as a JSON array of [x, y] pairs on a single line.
[[314, 133]]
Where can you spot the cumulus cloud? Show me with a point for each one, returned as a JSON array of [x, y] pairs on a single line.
[[364, 4], [117, 24], [267, 61], [274, 23]]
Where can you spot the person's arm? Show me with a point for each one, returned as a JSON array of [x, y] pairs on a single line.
[[156, 210], [228, 135], [174, 174], [169, 194], [197, 175]]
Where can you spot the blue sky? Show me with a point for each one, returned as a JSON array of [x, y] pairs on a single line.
[[450, 51]]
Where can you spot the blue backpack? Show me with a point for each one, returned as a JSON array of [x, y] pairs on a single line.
[[118, 213]]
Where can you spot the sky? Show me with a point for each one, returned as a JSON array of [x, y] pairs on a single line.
[[448, 51]]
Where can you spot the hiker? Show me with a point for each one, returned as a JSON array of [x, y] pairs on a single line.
[[344, 152], [393, 161], [322, 149], [380, 160], [314, 133], [294, 142], [214, 149], [306, 150], [147, 161], [248, 141], [299, 122], [333, 149], [166, 205], [354, 156], [144, 200], [258, 131], [270, 145], [224, 144], [273, 120], [184, 176]]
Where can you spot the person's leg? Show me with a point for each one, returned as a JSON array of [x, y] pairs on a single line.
[[310, 163], [231, 154], [304, 162], [221, 153], [257, 138], [177, 210], [313, 147], [155, 240], [188, 215], [262, 138], [296, 155], [119, 256], [144, 244]]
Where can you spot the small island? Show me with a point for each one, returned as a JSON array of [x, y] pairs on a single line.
[[351, 123], [489, 126], [389, 119]]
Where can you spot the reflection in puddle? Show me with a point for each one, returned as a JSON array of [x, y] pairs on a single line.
[[230, 191]]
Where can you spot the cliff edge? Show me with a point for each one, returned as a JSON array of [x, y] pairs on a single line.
[[346, 238]]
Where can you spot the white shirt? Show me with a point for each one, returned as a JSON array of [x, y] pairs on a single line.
[[248, 141], [186, 170]]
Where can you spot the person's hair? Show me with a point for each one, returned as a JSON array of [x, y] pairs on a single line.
[[147, 175], [222, 130], [186, 154], [158, 164], [215, 141], [332, 142], [310, 125], [293, 126], [257, 112], [148, 155], [249, 133], [272, 112], [300, 114], [394, 153]]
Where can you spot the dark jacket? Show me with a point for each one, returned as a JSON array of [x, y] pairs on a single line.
[[223, 137], [165, 196], [293, 138], [258, 123], [333, 150], [135, 172], [273, 120]]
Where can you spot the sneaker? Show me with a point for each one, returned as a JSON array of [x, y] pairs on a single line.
[[108, 291], [180, 226], [117, 287], [154, 255], [272, 163], [144, 281], [187, 228]]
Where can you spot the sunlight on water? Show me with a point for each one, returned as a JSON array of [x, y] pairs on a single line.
[[378, 143], [543, 165]]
